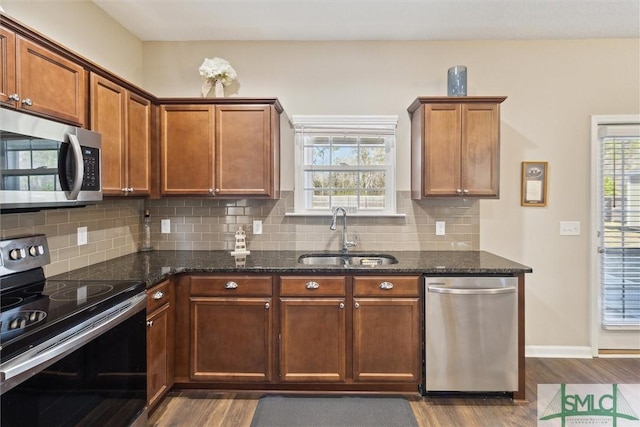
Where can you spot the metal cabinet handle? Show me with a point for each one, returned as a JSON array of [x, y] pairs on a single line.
[[27, 101], [158, 295], [341, 305], [14, 97], [386, 286], [266, 305], [124, 190], [149, 323], [230, 285], [312, 285], [356, 305]]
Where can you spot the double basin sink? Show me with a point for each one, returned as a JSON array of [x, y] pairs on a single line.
[[347, 259]]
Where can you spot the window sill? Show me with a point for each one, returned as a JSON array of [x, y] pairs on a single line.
[[359, 214]]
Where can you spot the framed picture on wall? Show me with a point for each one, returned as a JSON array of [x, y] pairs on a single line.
[[535, 176]]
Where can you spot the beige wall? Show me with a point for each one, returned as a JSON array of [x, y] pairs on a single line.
[[85, 29], [552, 86]]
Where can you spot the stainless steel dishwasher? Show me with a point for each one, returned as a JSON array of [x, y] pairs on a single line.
[[471, 334]]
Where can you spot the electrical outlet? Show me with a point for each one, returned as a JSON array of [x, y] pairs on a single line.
[[257, 226], [569, 228], [82, 236], [165, 226], [440, 228]]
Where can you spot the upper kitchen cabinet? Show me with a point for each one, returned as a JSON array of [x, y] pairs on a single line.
[[123, 119], [455, 147], [36, 79], [224, 148]]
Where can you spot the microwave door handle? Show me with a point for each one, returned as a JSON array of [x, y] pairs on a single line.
[[77, 180]]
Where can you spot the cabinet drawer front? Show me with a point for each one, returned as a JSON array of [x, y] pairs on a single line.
[[312, 286], [386, 285], [158, 296], [231, 285]]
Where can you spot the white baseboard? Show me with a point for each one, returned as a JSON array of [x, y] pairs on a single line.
[[576, 352]]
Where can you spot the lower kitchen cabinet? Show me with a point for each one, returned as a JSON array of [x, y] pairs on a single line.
[[386, 329], [160, 333], [312, 329], [231, 335]]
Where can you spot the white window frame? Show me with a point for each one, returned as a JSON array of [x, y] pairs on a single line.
[[609, 337], [305, 125]]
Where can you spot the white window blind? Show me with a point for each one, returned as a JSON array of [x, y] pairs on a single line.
[[620, 234], [346, 161]]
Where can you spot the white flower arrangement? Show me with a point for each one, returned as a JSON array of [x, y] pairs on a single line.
[[218, 69]]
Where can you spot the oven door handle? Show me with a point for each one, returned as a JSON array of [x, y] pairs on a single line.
[[23, 367]]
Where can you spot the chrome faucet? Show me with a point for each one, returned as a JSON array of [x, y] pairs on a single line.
[[346, 244]]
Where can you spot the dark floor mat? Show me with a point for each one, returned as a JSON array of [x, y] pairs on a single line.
[[333, 411]]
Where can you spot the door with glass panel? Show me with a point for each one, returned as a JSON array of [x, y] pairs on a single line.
[[617, 212]]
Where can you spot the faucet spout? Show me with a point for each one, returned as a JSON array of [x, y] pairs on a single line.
[[346, 244]]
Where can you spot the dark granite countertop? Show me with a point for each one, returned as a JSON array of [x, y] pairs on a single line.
[[153, 267]]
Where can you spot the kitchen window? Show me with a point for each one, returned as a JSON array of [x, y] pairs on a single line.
[[346, 161]]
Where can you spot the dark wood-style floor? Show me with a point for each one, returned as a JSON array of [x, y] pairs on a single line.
[[209, 408]]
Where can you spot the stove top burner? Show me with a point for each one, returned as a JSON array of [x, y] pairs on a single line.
[[81, 293], [9, 302]]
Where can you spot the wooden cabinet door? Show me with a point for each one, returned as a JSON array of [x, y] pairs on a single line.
[[52, 85], [312, 340], [138, 151], [441, 161], [231, 339], [386, 340], [187, 157], [157, 355], [160, 341], [480, 149], [7, 66], [244, 163], [108, 106]]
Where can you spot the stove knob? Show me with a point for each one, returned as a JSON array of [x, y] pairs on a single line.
[[36, 250], [16, 254]]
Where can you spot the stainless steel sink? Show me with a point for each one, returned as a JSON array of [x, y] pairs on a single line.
[[347, 260]]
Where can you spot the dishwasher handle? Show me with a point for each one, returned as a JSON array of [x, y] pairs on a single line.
[[470, 291]]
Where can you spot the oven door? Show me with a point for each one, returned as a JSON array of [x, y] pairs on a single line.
[[103, 382]]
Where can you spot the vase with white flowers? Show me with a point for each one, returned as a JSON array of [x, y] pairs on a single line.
[[217, 73]]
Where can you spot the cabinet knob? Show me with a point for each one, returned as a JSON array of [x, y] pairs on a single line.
[[465, 191], [158, 295], [27, 101], [312, 285], [230, 285], [458, 190], [341, 305], [124, 190], [211, 191], [266, 305], [217, 191], [356, 305], [386, 286], [149, 323], [14, 97], [130, 189]]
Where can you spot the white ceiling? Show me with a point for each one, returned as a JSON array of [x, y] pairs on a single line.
[[180, 20]]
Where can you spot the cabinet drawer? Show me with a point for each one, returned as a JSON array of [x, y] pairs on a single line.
[[386, 286], [158, 296], [294, 286], [231, 285]]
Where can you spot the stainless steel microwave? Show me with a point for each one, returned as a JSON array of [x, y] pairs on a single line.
[[46, 164]]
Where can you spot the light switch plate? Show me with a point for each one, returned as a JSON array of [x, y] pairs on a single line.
[[82, 236], [440, 228], [257, 226], [569, 228], [165, 226]]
